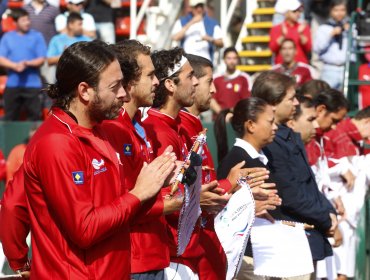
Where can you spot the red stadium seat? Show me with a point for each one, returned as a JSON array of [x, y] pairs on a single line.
[[15, 4], [123, 26], [8, 24]]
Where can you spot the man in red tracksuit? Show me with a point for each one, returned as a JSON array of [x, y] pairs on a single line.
[[176, 90], [79, 207], [149, 249], [212, 265]]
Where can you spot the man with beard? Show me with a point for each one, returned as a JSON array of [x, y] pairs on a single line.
[[149, 248], [79, 206]]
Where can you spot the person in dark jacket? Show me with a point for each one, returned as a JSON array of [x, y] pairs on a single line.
[[302, 201]]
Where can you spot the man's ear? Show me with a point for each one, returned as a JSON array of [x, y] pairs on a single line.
[[85, 92], [290, 124], [170, 85], [321, 109]]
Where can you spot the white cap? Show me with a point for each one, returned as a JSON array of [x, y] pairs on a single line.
[[193, 3], [75, 1], [283, 6]]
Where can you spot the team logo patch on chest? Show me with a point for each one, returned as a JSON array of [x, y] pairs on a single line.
[[78, 177], [127, 149], [99, 166]]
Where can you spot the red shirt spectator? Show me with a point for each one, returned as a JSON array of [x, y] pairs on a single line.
[[300, 71], [300, 33], [231, 89], [231, 86]]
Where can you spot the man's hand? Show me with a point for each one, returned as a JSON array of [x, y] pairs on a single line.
[[339, 207], [153, 175], [171, 178], [172, 204], [19, 67], [350, 180], [284, 29], [334, 225], [336, 31], [301, 27], [212, 198], [196, 18], [338, 238]]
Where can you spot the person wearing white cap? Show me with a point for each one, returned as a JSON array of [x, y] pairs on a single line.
[[198, 33], [300, 33], [76, 6]]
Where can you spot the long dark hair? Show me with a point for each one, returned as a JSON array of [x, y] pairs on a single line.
[[81, 62], [244, 110]]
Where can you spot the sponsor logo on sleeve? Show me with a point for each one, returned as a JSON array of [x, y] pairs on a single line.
[[78, 177], [127, 149]]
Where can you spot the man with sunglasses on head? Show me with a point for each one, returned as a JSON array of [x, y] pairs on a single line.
[[292, 29]]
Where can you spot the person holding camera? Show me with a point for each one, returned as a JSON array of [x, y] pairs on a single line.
[[331, 44]]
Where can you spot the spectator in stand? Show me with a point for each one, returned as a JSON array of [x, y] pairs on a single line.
[[42, 16], [76, 6], [231, 86], [300, 33], [2, 167], [15, 157], [102, 12], [198, 33], [22, 52], [300, 71], [61, 41], [331, 44]]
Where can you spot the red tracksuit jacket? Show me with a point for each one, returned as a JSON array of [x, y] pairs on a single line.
[[79, 209], [15, 222], [212, 265], [345, 139], [149, 241], [163, 130]]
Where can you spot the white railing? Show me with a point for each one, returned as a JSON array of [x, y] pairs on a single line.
[[137, 18], [227, 12], [251, 5], [159, 21]]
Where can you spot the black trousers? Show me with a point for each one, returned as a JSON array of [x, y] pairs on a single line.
[[18, 99], [150, 275]]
